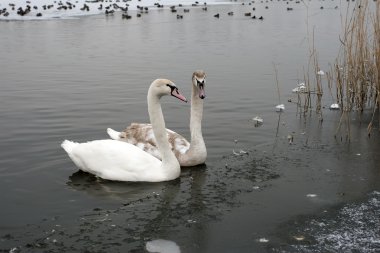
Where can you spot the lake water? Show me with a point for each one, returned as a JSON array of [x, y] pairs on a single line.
[[73, 78]]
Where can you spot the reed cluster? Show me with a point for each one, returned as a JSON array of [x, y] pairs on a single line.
[[354, 78], [356, 73]]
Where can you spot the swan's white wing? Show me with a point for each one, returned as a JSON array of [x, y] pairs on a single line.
[[114, 160], [141, 135]]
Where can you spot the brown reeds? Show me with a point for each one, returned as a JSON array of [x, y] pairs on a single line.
[[313, 84], [357, 67], [354, 78]]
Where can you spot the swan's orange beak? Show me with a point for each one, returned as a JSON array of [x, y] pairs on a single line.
[[175, 93]]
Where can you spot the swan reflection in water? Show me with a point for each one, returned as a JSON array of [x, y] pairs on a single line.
[[175, 213]]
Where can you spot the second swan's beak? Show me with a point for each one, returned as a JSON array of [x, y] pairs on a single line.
[[201, 87], [175, 93]]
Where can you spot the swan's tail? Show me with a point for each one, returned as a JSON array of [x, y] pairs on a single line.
[[115, 135], [68, 146]]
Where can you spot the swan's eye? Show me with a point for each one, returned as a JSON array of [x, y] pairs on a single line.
[[172, 87]]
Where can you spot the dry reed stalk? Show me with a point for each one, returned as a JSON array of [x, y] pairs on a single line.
[[278, 86], [357, 68]]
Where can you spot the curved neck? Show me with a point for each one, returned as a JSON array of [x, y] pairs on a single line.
[[159, 130]]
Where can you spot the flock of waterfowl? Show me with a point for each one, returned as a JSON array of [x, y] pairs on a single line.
[[109, 7]]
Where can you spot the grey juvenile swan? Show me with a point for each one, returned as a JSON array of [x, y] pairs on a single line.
[[188, 154]]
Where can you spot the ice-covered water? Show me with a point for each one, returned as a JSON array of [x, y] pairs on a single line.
[[352, 227]]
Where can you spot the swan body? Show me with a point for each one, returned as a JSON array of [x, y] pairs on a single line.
[[188, 153], [122, 161]]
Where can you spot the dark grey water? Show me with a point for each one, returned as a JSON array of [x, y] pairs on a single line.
[[74, 78]]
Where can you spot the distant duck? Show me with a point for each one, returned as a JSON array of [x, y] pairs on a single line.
[[85, 8], [186, 10], [100, 7], [247, 14], [216, 15], [204, 8], [289, 9], [173, 9], [261, 18], [39, 14], [138, 15], [254, 17], [109, 12], [125, 16], [230, 13], [179, 16]]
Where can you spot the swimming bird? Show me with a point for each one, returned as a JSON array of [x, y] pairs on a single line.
[[188, 154], [121, 161]]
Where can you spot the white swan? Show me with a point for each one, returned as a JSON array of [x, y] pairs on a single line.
[[121, 161], [188, 154]]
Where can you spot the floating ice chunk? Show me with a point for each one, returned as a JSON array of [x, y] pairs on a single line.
[[300, 88], [299, 238], [241, 152], [263, 240], [280, 108], [334, 106], [321, 73], [258, 121], [311, 195], [162, 246], [290, 138]]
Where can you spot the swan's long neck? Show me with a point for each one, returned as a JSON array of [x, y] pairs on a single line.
[[169, 161], [196, 115]]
